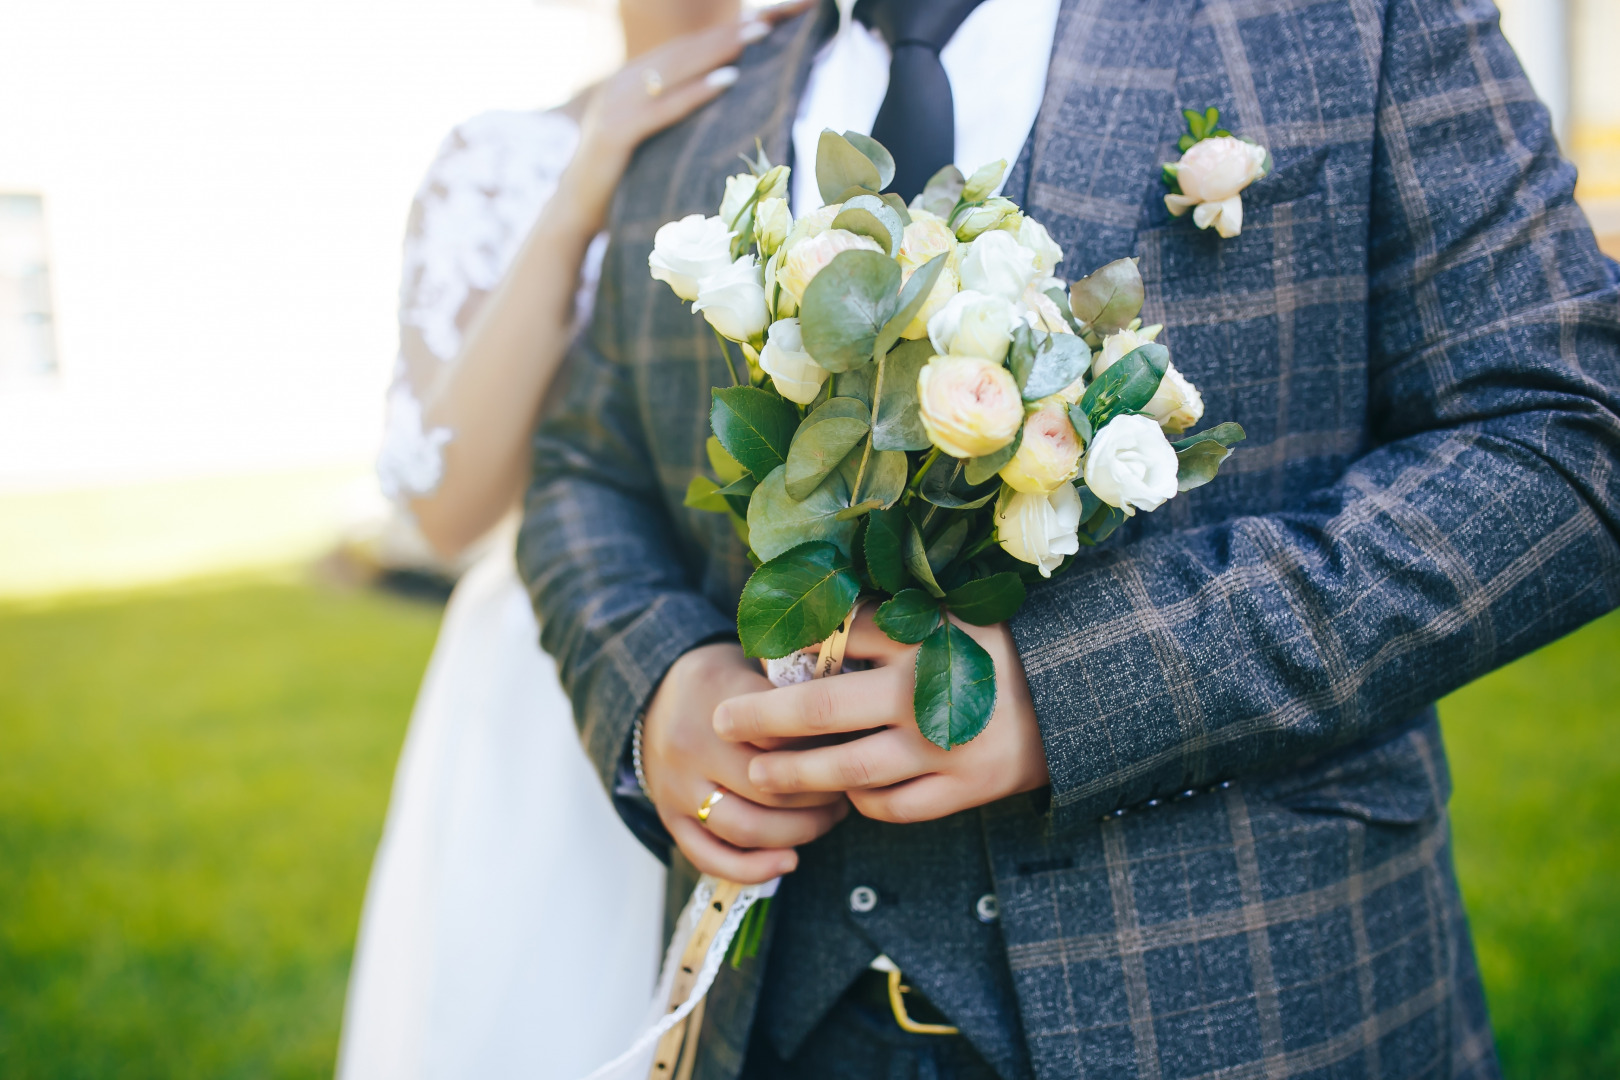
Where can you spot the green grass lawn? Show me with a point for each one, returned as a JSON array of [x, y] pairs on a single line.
[[192, 780]]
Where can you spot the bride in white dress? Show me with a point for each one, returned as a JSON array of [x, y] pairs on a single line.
[[511, 926]]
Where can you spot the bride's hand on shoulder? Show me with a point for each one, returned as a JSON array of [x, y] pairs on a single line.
[[661, 87]]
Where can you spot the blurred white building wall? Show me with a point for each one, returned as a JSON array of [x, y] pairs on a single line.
[[224, 190]]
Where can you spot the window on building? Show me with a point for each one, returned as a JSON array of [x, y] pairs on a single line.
[[27, 321]]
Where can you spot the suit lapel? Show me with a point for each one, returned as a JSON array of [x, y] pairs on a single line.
[[1109, 119]]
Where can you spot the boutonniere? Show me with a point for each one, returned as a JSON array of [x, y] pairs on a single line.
[[1214, 169]]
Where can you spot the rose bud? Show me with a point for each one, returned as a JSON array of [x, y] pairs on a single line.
[[733, 300], [1039, 528], [1131, 465], [772, 220], [689, 250], [969, 406], [793, 372], [1049, 454]]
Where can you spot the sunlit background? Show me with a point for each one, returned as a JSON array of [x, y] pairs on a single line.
[[201, 209]]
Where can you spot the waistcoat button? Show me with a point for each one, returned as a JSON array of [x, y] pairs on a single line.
[[987, 909], [862, 899]]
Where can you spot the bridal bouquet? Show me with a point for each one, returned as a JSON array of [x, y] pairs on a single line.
[[925, 415]]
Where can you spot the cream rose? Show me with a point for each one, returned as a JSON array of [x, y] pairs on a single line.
[[1043, 313], [1033, 236], [1212, 175], [945, 287], [996, 263], [809, 226], [969, 406], [793, 372], [1118, 344], [733, 300], [808, 258], [1048, 455], [973, 324], [1176, 405], [1039, 528], [689, 250], [1131, 465], [772, 221], [924, 239]]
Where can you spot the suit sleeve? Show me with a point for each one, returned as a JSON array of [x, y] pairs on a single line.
[[1482, 524], [614, 600]]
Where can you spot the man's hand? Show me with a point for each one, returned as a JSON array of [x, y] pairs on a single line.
[[751, 833], [890, 771]]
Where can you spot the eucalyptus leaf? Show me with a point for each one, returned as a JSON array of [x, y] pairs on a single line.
[[912, 297], [945, 547], [704, 494], [726, 467], [840, 166], [980, 470], [943, 189], [876, 153], [987, 601], [885, 479], [1057, 361], [846, 306], [754, 426], [795, 599], [916, 556], [1198, 464], [885, 549], [869, 215], [1127, 386], [898, 205], [946, 485], [1082, 424], [898, 425], [855, 383], [908, 618], [777, 521], [1109, 298], [822, 441], [956, 687]]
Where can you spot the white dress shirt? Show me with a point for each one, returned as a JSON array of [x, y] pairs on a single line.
[[996, 62]]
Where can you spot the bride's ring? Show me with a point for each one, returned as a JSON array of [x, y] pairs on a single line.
[[652, 82], [709, 804]]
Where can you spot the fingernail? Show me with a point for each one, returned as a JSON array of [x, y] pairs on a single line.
[[751, 32], [721, 722], [757, 775], [721, 77]]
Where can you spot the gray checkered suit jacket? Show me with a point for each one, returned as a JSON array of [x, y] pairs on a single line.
[[1242, 866]]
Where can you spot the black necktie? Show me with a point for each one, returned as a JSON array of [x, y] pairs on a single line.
[[918, 119]]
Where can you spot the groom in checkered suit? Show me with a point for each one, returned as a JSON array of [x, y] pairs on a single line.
[[1240, 864]]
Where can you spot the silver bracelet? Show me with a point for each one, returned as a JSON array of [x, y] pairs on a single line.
[[635, 759]]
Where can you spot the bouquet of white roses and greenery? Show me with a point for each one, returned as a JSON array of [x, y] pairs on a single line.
[[925, 414]]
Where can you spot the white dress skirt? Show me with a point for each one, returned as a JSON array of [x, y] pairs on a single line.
[[512, 924]]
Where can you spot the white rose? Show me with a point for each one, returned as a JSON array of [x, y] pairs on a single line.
[[808, 258], [969, 406], [1131, 465], [793, 372], [689, 250], [772, 221], [945, 287], [1176, 405], [1033, 235], [733, 300], [998, 264], [973, 324], [1212, 175], [1038, 528], [1048, 455]]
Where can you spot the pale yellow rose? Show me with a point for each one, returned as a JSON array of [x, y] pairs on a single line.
[[970, 407], [973, 324], [945, 287], [810, 226], [809, 257], [1118, 344], [1048, 455], [924, 239], [1039, 528], [1176, 405]]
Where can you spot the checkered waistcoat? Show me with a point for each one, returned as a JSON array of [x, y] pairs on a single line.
[[1423, 342]]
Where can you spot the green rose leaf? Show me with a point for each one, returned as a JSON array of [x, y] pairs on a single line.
[[956, 687], [909, 617], [946, 545], [868, 215], [1102, 523], [1127, 386], [946, 485], [846, 306], [939, 195], [981, 470], [795, 599], [1227, 434], [754, 426], [885, 549], [1055, 362], [840, 166], [987, 601], [704, 494], [899, 425], [1109, 298], [825, 436], [1199, 457], [916, 556], [737, 493], [777, 521], [912, 297], [876, 153], [726, 467]]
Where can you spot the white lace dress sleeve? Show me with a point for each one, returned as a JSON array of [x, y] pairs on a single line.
[[475, 207]]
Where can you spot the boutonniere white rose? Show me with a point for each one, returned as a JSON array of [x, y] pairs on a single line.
[[1215, 168]]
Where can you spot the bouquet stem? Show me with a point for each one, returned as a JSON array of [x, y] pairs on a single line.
[[726, 352]]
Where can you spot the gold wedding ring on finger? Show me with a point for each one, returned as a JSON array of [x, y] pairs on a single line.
[[709, 804], [652, 82]]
